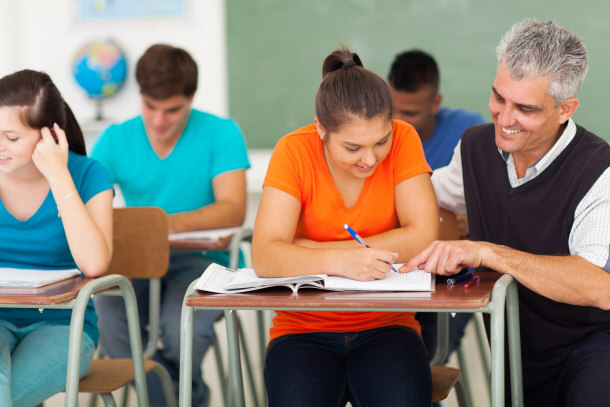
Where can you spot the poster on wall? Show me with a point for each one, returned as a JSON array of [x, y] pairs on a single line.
[[104, 10]]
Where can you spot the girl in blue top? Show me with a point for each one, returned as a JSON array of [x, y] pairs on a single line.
[[55, 213]]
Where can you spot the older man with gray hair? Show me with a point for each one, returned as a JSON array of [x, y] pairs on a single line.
[[535, 186]]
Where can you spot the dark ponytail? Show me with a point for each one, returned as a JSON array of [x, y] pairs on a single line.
[[349, 89], [42, 105]]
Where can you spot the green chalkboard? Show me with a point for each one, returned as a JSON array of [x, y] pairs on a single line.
[[276, 49]]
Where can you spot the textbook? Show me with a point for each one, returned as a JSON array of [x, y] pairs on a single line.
[[12, 277], [218, 279], [212, 235]]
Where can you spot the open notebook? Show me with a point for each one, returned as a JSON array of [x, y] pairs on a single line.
[[11, 277], [218, 279]]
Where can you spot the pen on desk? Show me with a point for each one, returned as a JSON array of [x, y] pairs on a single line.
[[472, 282], [360, 240], [463, 277]]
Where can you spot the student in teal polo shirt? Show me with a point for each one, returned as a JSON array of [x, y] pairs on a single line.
[[55, 213], [190, 163]]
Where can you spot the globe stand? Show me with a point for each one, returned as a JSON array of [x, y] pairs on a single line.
[[98, 110]]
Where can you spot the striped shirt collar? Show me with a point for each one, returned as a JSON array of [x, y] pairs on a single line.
[[546, 160]]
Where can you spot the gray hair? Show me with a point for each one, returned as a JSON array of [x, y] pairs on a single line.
[[531, 49]]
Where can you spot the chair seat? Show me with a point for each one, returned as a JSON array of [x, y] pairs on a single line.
[[108, 375], [443, 379]]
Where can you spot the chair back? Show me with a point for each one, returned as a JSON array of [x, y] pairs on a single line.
[[140, 242], [449, 228]]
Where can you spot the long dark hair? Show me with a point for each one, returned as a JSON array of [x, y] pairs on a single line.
[[349, 89], [42, 105]]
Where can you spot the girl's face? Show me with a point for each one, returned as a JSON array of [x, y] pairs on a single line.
[[358, 146], [17, 141]]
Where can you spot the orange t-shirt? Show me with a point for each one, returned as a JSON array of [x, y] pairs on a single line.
[[298, 167]]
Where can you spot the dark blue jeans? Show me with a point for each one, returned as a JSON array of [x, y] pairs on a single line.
[[429, 331], [379, 367], [584, 380]]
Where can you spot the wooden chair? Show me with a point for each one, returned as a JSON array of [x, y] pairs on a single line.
[[140, 250]]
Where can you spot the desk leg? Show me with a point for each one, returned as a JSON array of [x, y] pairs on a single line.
[[135, 340], [186, 352], [497, 352], [262, 343], [236, 384], [514, 344], [74, 351]]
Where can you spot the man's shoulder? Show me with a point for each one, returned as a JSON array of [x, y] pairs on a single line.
[[592, 147], [128, 126], [474, 135], [591, 137], [201, 118], [467, 117]]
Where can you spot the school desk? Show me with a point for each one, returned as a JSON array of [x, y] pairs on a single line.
[[75, 294], [244, 235], [491, 295]]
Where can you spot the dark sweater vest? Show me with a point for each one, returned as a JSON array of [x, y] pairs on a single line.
[[537, 218]]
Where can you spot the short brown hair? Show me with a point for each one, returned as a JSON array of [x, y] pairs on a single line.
[[165, 71]]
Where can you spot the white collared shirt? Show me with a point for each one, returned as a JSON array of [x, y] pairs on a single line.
[[590, 234]]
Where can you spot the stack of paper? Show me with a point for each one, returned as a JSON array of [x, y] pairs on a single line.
[[11, 277], [212, 235]]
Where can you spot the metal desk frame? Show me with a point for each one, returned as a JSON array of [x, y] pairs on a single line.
[[502, 297], [76, 296]]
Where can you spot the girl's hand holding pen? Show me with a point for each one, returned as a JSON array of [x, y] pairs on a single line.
[[360, 240], [366, 264]]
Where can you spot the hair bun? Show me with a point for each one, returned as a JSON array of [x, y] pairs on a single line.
[[349, 63]]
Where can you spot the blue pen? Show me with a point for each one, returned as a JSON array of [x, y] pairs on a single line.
[[463, 277], [360, 240]]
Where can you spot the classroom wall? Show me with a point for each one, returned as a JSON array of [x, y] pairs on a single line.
[[45, 34], [260, 60], [276, 49]]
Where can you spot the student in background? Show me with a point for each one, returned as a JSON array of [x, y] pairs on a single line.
[[355, 166], [190, 163], [535, 186], [55, 213], [414, 82]]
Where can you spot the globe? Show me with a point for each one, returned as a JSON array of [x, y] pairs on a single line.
[[100, 68]]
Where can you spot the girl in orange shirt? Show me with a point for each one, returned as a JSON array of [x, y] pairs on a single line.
[[353, 166]]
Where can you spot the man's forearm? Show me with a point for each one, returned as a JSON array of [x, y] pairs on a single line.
[[567, 279]]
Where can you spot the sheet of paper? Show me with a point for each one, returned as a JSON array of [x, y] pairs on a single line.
[[12, 277], [417, 280], [213, 235], [214, 278]]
